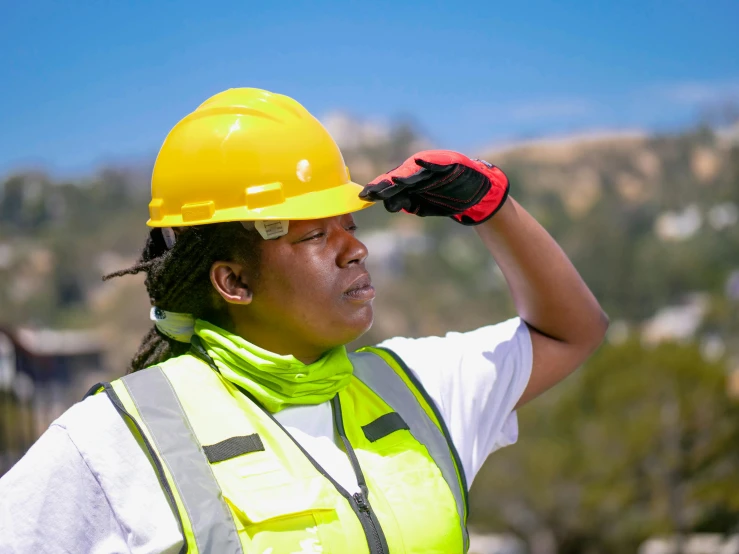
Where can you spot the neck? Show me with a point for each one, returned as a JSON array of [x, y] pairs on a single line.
[[279, 343]]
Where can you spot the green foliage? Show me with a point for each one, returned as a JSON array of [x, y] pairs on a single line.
[[642, 441]]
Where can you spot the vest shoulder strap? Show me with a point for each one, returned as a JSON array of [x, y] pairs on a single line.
[[151, 453], [386, 374], [179, 460]]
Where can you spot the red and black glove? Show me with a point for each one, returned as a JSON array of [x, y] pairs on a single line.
[[441, 183]]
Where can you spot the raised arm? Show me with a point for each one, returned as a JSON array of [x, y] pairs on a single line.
[[567, 324], [565, 320]]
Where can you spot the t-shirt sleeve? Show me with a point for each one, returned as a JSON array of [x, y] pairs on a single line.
[[50, 502], [475, 379]]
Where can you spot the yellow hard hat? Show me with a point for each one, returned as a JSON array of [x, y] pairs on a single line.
[[247, 155]]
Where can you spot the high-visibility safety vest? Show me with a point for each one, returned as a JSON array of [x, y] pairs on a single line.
[[239, 483]]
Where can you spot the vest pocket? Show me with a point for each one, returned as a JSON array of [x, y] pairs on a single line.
[[418, 498], [281, 519]]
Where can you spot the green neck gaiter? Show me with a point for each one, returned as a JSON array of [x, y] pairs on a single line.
[[275, 381]]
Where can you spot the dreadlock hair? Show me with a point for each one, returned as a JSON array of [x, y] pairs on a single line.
[[178, 280]]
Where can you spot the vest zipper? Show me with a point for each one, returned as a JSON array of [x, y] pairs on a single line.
[[359, 501], [364, 509], [369, 520]]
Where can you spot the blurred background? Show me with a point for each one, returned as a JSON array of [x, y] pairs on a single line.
[[618, 124]]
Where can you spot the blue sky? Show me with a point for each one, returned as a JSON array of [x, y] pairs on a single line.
[[83, 83]]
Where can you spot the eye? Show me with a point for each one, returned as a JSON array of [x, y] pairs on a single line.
[[351, 228], [314, 236]]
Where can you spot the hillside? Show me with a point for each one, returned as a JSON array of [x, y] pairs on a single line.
[[641, 442], [650, 221]]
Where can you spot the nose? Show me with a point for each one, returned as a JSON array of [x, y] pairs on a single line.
[[353, 251]]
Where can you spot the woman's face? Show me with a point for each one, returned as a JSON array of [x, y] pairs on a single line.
[[312, 289]]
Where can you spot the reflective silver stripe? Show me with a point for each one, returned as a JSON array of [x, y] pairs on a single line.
[[179, 449], [374, 372]]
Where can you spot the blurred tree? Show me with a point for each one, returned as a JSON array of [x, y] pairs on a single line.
[[640, 442]]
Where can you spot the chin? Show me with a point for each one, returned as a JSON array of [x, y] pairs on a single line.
[[358, 325]]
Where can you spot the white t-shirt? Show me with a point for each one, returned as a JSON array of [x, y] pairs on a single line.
[[87, 487]]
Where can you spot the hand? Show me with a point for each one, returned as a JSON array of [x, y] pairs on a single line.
[[441, 183]]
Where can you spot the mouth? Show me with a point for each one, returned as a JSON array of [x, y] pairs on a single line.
[[361, 290]]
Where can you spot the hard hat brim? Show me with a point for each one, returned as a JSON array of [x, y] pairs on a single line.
[[318, 204]]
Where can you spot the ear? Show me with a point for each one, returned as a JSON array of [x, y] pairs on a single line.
[[230, 280]]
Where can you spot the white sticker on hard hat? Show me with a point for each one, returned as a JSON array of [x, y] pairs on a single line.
[[272, 229]]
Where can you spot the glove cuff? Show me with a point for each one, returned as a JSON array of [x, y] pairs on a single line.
[[493, 201], [487, 208]]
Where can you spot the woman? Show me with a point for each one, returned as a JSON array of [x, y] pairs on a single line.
[[244, 425]]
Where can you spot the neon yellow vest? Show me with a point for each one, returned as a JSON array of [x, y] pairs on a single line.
[[239, 483]]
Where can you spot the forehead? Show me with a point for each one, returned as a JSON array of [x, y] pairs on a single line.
[[298, 225], [298, 228]]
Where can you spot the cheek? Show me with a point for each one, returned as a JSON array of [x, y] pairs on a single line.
[[300, 288], [305, 293]]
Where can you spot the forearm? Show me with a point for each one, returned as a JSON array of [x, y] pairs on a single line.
[[565, 320], [547, 290]]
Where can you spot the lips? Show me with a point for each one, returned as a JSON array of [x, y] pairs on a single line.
[[361, 290]]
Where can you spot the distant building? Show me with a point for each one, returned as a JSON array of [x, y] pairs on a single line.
[[679, 226], [699, 543], [494, 543], [42, 373], [676, 323]]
